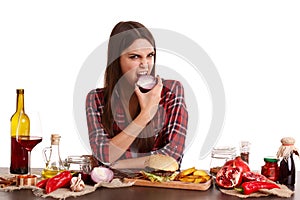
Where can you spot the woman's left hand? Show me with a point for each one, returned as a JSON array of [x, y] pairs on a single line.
[[149, 101]]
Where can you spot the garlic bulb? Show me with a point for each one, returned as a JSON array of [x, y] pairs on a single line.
[[77, 184]]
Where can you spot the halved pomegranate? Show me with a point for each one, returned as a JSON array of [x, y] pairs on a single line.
[[253, 176], [229, 177], [238, 162]]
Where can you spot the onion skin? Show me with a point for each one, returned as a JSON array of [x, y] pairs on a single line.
[[102, 174]]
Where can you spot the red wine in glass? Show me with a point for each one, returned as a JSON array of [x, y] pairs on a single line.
[[29, 142]]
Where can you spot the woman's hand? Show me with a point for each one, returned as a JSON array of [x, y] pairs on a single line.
[[149, 101]]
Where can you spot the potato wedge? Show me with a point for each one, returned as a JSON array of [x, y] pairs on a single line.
[[200, 172], [200, 180], [187, 180], [186, 172], [207, 177], [193, 175]]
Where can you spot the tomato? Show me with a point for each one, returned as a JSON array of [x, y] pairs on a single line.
[[229, 177]]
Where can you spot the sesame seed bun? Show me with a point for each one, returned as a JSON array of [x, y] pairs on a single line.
[[162, 162]]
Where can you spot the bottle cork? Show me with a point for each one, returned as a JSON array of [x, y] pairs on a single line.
[[55, 138]]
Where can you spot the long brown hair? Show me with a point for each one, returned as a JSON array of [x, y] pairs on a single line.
[[121, 37]]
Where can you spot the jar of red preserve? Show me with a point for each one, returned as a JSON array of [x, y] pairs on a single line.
[[270, 169]]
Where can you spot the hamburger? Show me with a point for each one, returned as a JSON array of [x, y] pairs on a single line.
[[160, 168]]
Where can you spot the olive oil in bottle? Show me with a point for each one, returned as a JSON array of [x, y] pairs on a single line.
[[54, 164], [20, 125]]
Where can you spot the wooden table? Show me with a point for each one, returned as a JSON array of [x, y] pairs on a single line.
[[145, 193]]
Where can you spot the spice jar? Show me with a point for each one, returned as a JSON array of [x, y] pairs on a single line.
[[245, 150], [219, 156], [270, 169]]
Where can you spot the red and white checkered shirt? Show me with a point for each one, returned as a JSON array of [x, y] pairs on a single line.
[[170, 121]]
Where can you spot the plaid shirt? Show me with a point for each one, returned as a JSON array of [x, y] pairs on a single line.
[[170, 123]]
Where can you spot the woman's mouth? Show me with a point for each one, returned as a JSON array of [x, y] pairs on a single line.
[[142, 73]]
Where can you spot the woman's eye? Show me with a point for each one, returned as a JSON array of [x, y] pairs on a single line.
[[151, 55], [134, 56]]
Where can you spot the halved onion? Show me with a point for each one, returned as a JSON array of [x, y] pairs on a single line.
[[102, 174], [146, 82]]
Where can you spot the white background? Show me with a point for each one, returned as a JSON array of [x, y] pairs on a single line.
[[255, 46]]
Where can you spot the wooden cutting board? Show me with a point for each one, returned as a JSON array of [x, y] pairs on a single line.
[[171, 184]]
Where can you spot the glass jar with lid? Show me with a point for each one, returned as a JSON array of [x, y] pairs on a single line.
[[83, 164], [270, 169], [219, 156]]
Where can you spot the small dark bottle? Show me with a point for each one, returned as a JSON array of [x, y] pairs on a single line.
[[287, 171]]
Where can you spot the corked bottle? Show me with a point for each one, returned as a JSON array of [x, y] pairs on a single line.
[[54, 164], [287, 170], [20, 125]]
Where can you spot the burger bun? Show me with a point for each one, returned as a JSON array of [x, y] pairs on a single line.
[[162, 162]]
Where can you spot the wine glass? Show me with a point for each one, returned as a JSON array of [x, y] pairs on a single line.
[[29, 141]]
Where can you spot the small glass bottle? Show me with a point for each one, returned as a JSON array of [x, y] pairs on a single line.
[[270, 169], [20, 125], [245, 150], [219, 156], [54, 164]]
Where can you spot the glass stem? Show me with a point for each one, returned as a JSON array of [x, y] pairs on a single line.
[[29, 162]]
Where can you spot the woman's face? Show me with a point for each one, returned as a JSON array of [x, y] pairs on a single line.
[[137, 60]]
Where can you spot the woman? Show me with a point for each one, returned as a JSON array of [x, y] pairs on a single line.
[[125, 125]]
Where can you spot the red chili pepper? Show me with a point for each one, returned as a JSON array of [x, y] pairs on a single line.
[[58, 181], [42, 183], [254, 186]]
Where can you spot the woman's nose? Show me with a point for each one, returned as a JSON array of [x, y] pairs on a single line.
[[144, 63]]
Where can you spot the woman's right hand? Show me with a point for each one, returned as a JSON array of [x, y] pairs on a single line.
[[149, 101]]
